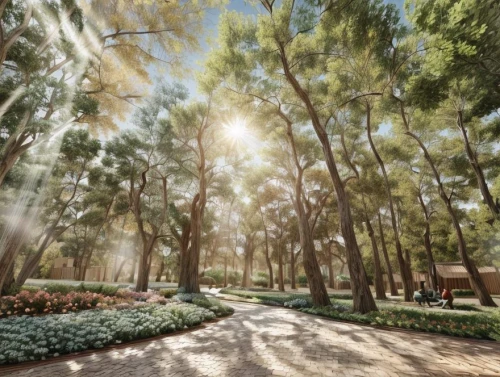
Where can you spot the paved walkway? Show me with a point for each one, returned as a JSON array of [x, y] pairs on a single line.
[[260, 341]]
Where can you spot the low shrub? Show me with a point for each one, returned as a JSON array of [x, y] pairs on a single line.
[[286, 280], [188, 297], [342, 277], [302, 280], [109, 290], [262, 274], [217, 275], [59, 288], [207, 280], [199, 299], [214, 305], [234, 277], [298, 303], [462, 292], [260, 281], [36, 338], [30, 288], [168, 293], [91, 287], [105, 289]]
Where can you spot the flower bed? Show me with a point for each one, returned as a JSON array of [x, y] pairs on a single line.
[[479, 323], [479, 326], [36, 338], [41, 302]]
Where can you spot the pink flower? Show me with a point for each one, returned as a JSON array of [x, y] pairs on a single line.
[[64, 310], [27, 310]]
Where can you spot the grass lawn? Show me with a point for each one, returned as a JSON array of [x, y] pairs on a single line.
[[470, 321]]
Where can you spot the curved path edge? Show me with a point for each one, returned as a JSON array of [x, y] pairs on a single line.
[[260, 341]]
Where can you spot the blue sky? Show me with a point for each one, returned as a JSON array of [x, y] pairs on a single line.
[[194, 60]]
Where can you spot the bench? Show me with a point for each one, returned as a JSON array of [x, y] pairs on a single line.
[[434, 298]]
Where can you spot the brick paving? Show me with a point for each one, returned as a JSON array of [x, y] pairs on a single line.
[[262, 341]]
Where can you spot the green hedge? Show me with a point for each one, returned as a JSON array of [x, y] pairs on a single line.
[[168, 293], [260, 281], [105, 289], [462, 292], [217, 275]]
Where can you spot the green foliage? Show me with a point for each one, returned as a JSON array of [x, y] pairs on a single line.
[[30, 288], [462, 292], [297, 303], [105, 289], [214, 305], [302, 280], [342, 277], [234, 278], [168, 293], [35, 338], [216, 275], [59, 288], [109, 290], [479, 326], [207, 280], [260, 281]]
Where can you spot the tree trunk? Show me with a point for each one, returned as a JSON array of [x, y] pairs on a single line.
[[390, 276], [292, 267], [331, 277], [266, 240], [478, 171], [145, 264], [363, 301], [11, 249], [30, 265], [404, 269], [160, 271], [475, 278], [246, 282], [428, 244], [281, 283], [311, 266], [9, 282], [379, 282]]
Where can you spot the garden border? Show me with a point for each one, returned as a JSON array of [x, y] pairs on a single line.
[[6, 368], [378, 327]]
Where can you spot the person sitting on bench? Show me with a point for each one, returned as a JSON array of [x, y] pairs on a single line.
[[447, 298], [421, 297]]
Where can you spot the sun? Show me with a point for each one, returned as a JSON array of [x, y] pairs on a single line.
[[236, 130]]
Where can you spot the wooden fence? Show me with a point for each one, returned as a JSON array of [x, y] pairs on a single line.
[[92, 274]]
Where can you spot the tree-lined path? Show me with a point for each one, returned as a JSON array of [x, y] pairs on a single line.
[[260, 341]]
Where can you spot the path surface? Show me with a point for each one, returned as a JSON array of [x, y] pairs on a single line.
[[261, 340]]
